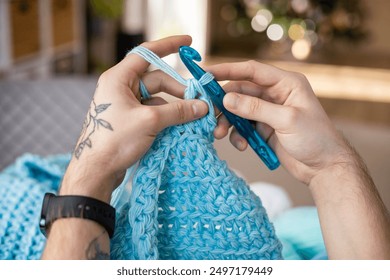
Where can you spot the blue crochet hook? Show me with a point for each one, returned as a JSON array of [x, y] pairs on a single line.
[[216, 93]]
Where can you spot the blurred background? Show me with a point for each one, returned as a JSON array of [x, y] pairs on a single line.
[[48, 47]]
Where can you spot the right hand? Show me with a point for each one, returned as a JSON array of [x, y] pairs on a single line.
[[288, 116]]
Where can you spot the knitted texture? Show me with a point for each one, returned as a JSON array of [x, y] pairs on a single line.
[[22, 187], [185, 202]]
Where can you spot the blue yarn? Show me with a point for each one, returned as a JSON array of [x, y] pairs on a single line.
[[185, 202], [22, 187]]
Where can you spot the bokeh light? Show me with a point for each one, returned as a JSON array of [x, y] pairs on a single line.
[[261, 20], [312, 37], [252, 3], [301, 49], [296, 32], [267, 14], [295, 26], [310, 24], [275, 32], [300, 6]]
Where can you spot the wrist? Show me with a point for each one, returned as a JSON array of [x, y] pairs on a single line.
[[88, 180], [349, 171], [325, 177], [76, 206]]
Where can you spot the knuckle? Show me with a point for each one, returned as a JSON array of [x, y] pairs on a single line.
[[105, 76], [162, 81], [292, 115], [146, 45], [150, 115], [180, 111], [252, 65], [299, 78], [254, 106]]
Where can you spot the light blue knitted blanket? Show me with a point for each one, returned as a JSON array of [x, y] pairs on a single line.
[[22, 187]]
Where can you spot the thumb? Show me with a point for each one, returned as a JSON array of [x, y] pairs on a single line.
[[253, 108], [181, 111]]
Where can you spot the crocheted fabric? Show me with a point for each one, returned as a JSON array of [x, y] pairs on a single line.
[[185, 202], [22, 187]]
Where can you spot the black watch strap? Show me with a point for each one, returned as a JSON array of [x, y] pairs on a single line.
[[72, 206]]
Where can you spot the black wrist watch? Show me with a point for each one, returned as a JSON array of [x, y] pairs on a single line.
[[72, 206]]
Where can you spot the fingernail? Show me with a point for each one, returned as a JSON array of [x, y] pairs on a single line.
[[231, 100], [199, 108], [241, 145]]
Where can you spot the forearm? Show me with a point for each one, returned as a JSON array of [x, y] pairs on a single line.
[[354, 221], [74, 238], [78, 238]]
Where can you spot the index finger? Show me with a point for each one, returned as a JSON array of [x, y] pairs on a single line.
[[253, 71], [163, 47]]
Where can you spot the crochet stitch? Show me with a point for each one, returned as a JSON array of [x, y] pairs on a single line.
[[185, 202], [22, 187]]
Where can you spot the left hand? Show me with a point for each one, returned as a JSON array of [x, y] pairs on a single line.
[[119, 129]]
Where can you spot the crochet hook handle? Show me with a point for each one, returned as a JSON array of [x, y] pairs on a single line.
[[216, 94]]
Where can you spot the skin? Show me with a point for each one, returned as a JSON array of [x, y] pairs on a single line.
[[127, 130], [354, 221]]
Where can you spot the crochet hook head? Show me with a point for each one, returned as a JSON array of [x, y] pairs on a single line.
[[188, 55]]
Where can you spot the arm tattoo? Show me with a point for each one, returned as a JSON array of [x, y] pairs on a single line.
[[91, 123], [94, 250]]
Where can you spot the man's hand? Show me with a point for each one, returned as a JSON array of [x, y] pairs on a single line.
[[119, 129], [288, 114], [354, 221], [117, 132]]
